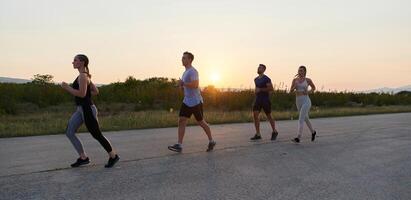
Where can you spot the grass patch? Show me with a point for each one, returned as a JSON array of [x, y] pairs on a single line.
[[54, 120]]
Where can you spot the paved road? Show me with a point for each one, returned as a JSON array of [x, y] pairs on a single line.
[[362, 157]]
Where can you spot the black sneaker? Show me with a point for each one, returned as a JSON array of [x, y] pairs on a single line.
[[80, 162], [274, 135], [296, 140], [256, 137], [112, 161], [313, 136], [176, 148], [211, 146]]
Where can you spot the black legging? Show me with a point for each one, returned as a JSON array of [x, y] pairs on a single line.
[[94, 128]]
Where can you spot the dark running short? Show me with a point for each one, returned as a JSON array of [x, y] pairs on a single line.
[[197, 111], [265, 105]]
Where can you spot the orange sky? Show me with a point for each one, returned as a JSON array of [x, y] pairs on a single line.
[[350, 45]]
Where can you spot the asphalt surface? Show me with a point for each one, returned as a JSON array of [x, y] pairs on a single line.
[[361, 157]]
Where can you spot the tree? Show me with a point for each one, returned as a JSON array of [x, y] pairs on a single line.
[[42, 79]]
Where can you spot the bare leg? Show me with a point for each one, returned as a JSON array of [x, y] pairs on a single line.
[[206, 128], [257, 122], [112, 154], [182, 123], [272, 122]]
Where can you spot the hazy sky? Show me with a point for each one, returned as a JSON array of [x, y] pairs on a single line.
[[351, 44]]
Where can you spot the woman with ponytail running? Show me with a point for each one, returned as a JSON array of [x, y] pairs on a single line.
[[300, 86], [82, 89]]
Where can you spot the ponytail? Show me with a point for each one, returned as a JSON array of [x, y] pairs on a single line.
[[87, 71]]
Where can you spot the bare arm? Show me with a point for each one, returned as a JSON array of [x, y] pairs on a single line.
[[311, 84], [292, 88], [94, 89], [269, 88], [81, 92]]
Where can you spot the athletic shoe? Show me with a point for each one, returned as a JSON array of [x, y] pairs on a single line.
[[296, 140], [313, 136], [176, 148], [274, 135], [211, 146], [80, 162], [112, 161], [256, 137]]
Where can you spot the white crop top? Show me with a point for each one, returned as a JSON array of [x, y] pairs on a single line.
[[301, 87]]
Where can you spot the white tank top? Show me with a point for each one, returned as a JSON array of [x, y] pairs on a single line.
[[301, 87]]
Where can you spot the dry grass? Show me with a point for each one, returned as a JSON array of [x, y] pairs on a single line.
[[54, 122]]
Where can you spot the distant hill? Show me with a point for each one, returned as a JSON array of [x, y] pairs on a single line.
[[19, 80], [390, 90], [13, 80]]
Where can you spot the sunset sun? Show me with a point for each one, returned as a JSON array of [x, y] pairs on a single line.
[[215, 77]]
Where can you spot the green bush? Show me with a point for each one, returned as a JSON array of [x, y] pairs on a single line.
[[162, 94]]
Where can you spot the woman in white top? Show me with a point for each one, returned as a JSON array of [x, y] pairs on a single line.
[[300, 86]]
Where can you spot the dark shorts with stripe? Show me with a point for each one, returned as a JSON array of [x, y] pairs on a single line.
[[187, 111]]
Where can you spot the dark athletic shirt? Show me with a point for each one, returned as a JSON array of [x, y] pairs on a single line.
[[86, 100], [262, 83]]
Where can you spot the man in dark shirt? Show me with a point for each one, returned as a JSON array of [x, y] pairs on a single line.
[[263, 87]]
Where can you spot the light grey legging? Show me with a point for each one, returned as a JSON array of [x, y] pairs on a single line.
[[303, 103], [76, 120]]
